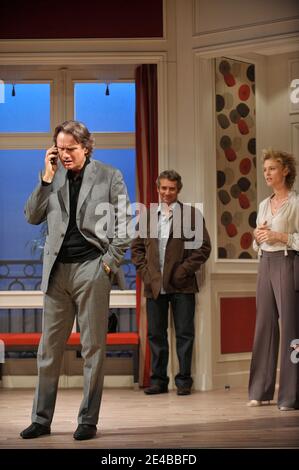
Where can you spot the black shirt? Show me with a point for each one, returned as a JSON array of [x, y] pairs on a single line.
[[75, 248]]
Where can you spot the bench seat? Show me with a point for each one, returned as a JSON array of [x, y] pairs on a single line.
[[124, 341]]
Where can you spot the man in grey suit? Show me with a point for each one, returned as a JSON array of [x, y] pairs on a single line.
[[83, 249]]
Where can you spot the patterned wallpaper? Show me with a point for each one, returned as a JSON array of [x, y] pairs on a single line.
[[236, 158]]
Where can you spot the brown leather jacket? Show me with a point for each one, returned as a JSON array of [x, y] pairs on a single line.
[[181, 262]]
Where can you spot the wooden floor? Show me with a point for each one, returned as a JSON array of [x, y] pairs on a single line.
[[130, 419]]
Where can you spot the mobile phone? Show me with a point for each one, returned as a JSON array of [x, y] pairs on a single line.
[[53, 160]]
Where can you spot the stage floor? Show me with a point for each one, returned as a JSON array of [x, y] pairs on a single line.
[[130, 419]]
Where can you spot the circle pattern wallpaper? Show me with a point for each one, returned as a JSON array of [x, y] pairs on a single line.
[[236, 158]]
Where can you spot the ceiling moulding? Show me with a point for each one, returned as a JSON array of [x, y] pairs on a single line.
[[264, 46], [83, 45], [73, 58]]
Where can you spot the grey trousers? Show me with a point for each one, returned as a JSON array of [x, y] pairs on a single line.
[[82, 290], [276, 298]]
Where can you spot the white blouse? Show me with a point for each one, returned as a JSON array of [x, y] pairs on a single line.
[[285, 220]]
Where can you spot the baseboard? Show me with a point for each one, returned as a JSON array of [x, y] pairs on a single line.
[[229, 380]]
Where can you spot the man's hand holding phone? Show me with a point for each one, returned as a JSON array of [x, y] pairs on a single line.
[[51, 164]]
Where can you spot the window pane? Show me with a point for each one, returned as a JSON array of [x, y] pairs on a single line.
[[28, 110], [106, 113], [19, 240]]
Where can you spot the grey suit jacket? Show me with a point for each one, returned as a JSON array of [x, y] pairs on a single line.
[[101, 184]]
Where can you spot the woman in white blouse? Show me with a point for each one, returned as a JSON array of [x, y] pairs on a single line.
[[277, 241]]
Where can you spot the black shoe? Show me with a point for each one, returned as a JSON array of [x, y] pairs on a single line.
[[183, 390], [35, 430], [155, 389], [85, 431]]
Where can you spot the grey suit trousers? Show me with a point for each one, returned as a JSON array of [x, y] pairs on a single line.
[[276, 298], [82, 290]]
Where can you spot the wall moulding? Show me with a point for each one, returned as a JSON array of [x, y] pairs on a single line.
[[79, 58], [82, 45], [232, 20], [232, 294], [223, 44]]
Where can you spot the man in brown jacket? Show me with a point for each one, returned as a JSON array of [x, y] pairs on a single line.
[[167, 262]]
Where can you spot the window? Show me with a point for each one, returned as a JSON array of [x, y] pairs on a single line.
[[27, 122], [26, 108]]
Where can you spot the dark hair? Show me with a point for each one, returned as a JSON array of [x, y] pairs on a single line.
[[287, 161], [80, 133], [170, 175]]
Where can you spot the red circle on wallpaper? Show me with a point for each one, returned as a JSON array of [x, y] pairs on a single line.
[[244, 92], [245, 166], [231, 230], [242, 126], [246, 240], [230, 154], [244, 201], [229, 79]]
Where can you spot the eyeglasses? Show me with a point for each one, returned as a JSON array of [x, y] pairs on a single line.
[[68, 149]]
